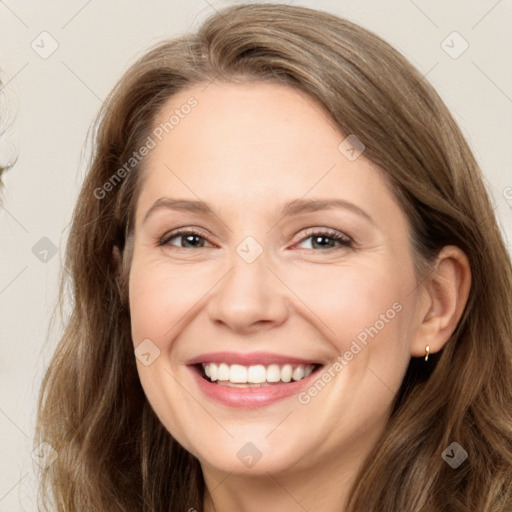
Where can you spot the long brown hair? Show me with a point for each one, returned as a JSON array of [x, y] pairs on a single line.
[[113, 452]]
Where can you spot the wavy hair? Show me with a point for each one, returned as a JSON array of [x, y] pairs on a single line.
[[4, 126], [113, 452]]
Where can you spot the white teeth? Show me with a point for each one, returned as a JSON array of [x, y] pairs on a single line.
[[214, 372], [258, 374], [286, 373], [238, 374], [273, 373], [298, 373], [223, 372]]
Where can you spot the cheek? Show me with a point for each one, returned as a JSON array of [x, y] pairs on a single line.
[[145, 304], [161, 296], [380, 336], [367, 308], [350, 298]]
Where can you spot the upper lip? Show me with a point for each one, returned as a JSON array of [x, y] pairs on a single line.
[[248, 359]]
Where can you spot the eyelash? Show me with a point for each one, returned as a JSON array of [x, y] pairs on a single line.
[[343, 240]]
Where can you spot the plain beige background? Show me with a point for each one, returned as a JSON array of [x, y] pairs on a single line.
[[51, 100]]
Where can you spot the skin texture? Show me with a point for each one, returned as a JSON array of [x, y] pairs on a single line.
[[246, 149]]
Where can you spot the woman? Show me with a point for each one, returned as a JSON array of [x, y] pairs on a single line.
[[289, 288]]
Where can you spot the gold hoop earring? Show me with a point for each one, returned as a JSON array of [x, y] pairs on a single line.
[[427, 352]]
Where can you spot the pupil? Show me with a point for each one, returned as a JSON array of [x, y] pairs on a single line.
[[323, 237], [189, 237]]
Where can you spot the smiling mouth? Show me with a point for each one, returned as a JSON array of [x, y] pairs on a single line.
[[259, 375]]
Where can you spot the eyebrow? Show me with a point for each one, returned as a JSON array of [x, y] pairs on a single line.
[[290, 208]]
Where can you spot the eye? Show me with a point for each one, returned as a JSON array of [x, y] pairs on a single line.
[[327, 239], [191, 239]]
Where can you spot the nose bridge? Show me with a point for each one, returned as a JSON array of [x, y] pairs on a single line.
[[249, 292]]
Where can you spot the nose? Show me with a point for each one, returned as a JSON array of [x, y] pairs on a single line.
[[249, 297]]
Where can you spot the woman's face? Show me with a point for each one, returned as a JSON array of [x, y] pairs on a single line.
[[271, 284]]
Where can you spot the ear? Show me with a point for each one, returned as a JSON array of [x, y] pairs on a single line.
[[443, 296]]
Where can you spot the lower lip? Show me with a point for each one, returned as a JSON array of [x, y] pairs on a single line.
[[250, 397]]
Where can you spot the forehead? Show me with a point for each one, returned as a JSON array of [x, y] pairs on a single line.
[[255, 144]]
